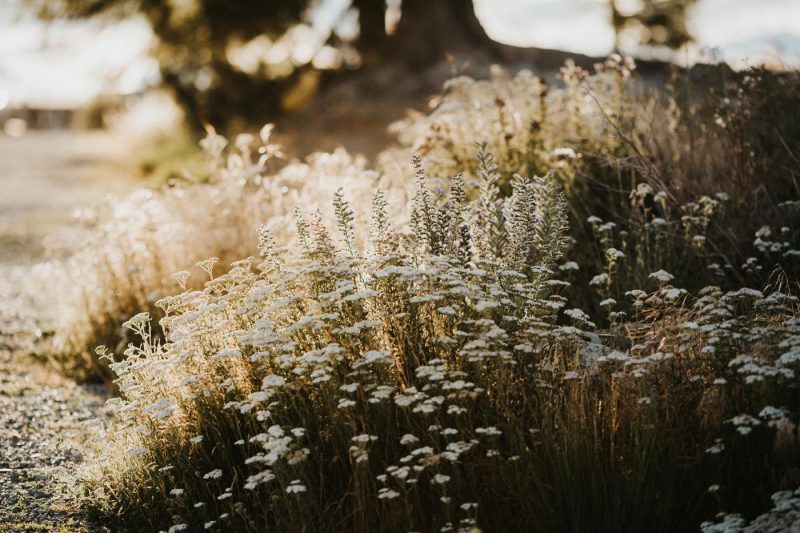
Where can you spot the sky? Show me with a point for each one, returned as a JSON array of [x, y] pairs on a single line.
[[69, 63], [744, 31]]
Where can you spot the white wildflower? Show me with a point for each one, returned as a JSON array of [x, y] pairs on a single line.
[[136, 452], [228, 352], [564, 152], [349, 387], [717, 447], [272, 381], [577, 314], [295, 487], [408, 438], [214, 474], [387, 494], [662, 276]]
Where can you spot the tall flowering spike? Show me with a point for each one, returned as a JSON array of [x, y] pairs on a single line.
[[266, 244], [444, 222], [460, 234], [323, 244], [464, 244], [458, 193], [382, 240], [491, 234], [302, 230], [552, 224], [423, 212], [486, 165], [522, 223], [345, 221], [267, 247]]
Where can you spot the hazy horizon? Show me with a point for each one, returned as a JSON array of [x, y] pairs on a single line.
[[59, 65]]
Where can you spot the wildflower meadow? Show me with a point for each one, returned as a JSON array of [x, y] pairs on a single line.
[[565, 306]]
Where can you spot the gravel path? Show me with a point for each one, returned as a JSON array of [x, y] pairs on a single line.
[[42, 430], [44, 176], [43, 424]]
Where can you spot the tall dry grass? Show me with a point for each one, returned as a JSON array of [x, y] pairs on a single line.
[[139, 241], [613, 346]]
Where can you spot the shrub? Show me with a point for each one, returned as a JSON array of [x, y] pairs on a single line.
[[608, 133], [438, 381], [605, 133], [139, 241]]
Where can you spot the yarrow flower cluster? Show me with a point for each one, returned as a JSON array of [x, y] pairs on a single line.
[[463, 362]]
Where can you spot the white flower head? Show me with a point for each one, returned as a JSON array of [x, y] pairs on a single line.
[[295, 487], [214, 474], [662, 276]]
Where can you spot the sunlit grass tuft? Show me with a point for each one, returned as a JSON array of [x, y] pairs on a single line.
[[576, 310]]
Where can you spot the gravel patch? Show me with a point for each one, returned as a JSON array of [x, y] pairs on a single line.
[[46, 175], [43, 425]]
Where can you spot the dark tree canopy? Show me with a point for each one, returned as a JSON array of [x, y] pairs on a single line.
[[234, 63], [198, 41]]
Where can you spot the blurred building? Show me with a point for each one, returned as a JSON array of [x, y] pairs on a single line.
[[54, 116], [40, 117]]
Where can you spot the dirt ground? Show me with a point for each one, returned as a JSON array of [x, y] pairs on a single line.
[[44, 177]]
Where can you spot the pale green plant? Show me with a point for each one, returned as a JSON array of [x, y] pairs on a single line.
[[459, 360], [138, 241], [428, 380]]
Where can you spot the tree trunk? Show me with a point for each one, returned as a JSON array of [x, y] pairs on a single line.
[[430, 30], [372, 38]]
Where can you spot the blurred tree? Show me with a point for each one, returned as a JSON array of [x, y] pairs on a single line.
[[652, 22], [234, 62]]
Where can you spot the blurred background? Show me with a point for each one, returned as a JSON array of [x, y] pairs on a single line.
[[98, 95], [81, 63]]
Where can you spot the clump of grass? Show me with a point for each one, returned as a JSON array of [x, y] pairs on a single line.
[[343, 328], [608, 133], [437, 379], [612, 346], [605, 133], [139, 241]]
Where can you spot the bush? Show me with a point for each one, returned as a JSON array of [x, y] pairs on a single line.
[[613, 346], [605, 133], [139, 241], [438, 381], [629, 152]]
